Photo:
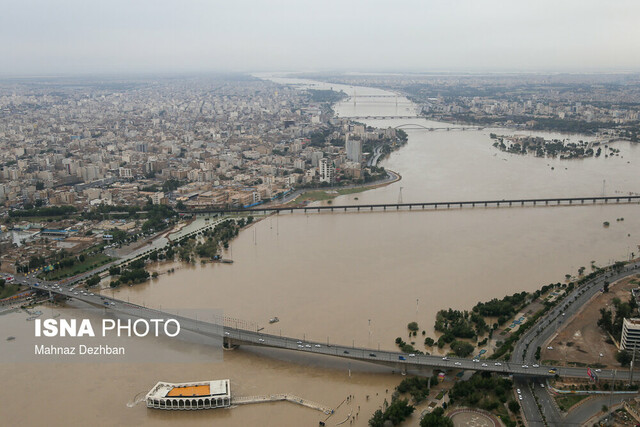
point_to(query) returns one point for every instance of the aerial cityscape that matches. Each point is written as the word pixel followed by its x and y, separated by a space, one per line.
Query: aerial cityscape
pixel 270 214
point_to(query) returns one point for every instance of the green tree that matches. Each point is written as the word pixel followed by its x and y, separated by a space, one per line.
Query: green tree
pixel 413 326
pixel 462 348
pixel 377 419
pixel 436 419
pixel 624 358
pixel 514 406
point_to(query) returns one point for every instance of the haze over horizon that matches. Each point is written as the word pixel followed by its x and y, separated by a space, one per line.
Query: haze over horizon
pixel 76 37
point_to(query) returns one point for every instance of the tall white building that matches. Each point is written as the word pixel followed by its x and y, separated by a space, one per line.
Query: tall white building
pixel 630 334
pixel 326 170
pixel 354 149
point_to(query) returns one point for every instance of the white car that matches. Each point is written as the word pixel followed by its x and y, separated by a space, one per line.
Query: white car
pixel 518 390
pixel 300 346
pixel 535 365
pixel 299 342
pixel 520 396
pixel 525 366
pixel 498 364
pixel 260 339
pixel 412 355
pixel 308 345
pixel 445 358
pixel 317 346
pixel 484 365
pixel 226 333
pixel 457 363
pixel 549 348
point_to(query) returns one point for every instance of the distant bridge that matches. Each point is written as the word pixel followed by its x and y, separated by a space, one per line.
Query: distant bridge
pixel 379 117
pixel 556 201
pixel 448 128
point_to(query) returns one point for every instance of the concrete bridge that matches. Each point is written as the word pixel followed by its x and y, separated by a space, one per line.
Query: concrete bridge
pixel 554 201
pixel 232 337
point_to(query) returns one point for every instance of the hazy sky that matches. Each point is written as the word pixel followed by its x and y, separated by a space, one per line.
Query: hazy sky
pixel 80 36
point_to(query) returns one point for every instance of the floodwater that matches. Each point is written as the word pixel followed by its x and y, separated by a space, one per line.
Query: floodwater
pixel 359 278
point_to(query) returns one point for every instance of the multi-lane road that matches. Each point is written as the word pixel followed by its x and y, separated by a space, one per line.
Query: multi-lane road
pixel 541 333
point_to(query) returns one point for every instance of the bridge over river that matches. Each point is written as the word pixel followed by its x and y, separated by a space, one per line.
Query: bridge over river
pixel 557 201
pixel 232 337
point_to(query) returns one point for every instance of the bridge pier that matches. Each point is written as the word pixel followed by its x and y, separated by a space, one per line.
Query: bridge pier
pixel 485 204
pixel 582 201
pixel 509 203
pixel 473 205
pixel 522 203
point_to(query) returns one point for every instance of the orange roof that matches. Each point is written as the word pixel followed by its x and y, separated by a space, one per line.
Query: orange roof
pixel 196 390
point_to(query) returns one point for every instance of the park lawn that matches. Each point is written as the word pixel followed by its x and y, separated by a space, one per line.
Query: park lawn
pixel 319 195
pixel 78 268
pixel 566 401
pixel 9 289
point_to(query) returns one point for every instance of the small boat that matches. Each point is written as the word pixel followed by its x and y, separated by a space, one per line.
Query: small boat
pixel 227 261
pixel 274 320
pixel 11 338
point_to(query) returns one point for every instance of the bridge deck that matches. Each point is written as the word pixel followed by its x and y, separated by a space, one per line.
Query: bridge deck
pixel 557 201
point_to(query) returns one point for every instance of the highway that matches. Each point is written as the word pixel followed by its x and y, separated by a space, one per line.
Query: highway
pixel 237 336
pixel 541 333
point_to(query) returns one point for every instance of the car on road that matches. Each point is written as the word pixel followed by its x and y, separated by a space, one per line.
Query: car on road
pixel 484 365
pixel 520 396
pixel 308 345
pixel 75 293
pixel 372 354
pixel 402 358
pixel 525 366
pixel 549 348
pixel 535 365
pixel 498 364
pixel 346 352
pixel 553 370
pixel 475 360
pixel 457 363
pixel 226 333
pixel 317 346
pixel 260 339
pixel 541 385
pixel 299 342
pixel 598 370
pixel 518 390
pixel 445 358
pixel 300 346
pixel 412 355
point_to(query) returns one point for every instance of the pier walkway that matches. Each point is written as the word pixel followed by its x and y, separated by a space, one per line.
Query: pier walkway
pixel 279 398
